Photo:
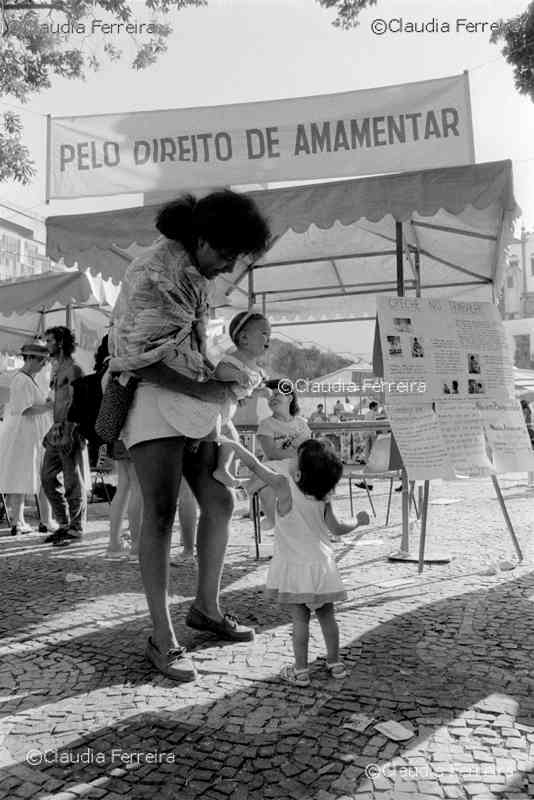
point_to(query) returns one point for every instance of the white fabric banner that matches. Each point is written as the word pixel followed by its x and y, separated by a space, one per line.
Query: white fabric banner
pixel 372 131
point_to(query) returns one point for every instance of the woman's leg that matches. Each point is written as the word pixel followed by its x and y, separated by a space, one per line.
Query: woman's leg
pixel 118 506
pixel 330 629
pixel 216 506
pixel 187 515
pixel 300 614
pixel 135 508
pixel 16 505
pixel 158 465
pixel 45 511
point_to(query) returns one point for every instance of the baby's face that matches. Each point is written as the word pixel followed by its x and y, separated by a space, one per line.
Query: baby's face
pixel 256 337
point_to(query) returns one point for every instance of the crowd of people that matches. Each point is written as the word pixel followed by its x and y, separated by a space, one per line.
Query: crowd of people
pixel 177 447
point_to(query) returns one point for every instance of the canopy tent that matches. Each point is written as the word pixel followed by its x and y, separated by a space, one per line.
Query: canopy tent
pixel 29 305
pixel 337 244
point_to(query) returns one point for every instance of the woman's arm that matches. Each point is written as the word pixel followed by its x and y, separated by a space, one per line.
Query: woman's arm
pixel 209 391
pixel 338 528
pixel 228 373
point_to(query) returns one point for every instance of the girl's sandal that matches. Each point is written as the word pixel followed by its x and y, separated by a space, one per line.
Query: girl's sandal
pixel 337 670
pixel 298 677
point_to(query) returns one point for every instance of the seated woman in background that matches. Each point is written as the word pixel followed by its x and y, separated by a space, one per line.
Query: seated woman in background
pixel 280 435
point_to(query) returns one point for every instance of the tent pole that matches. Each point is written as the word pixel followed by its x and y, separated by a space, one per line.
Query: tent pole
pixel 417 267
pixel 68 315
pixel 405 540
pixel 399 256
pixel 250 287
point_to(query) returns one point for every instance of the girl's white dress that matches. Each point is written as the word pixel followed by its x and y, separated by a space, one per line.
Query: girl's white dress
pixel 303 568
pixel 21 438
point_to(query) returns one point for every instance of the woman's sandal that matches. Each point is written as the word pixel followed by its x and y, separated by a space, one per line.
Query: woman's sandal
pixel 337 670
pixel 298 677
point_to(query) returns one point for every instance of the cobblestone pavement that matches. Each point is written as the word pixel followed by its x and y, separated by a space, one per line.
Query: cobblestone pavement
pixel 448 653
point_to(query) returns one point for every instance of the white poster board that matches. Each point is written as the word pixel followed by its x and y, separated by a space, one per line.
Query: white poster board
pixel 449 388
pixel 440 349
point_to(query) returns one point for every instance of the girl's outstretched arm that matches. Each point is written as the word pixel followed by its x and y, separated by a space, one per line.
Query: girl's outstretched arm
pixel 278 483
pixel 338 528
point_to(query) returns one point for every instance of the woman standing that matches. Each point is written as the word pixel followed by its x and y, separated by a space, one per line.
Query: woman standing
pixel 28 417
pixel 159 332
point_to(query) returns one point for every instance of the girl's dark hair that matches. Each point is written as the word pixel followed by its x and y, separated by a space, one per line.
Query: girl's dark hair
pixel 101 355
pixel 320 468
pixel 64 339
pixel 227 221
pixel 237 322
pixel 275 385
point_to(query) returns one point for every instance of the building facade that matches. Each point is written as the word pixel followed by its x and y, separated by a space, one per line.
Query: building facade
pixel 518 292
pixel 22 244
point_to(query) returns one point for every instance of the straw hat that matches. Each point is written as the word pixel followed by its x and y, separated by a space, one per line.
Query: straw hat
pixel 34 349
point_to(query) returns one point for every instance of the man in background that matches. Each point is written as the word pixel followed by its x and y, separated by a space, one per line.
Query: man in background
pixel 318 415
pixel 64 446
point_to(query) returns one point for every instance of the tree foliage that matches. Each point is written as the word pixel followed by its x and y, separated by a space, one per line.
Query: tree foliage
pixel 347 11
pixel 516 32
pixel 518 50
pixel 286 360
pixel 32 52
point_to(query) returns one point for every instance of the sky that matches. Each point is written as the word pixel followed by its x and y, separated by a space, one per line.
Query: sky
pixel 249 50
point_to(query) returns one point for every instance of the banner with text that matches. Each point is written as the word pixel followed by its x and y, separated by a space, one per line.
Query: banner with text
pixel 390 129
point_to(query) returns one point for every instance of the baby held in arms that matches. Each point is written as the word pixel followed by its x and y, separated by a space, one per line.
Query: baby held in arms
pixel 250 332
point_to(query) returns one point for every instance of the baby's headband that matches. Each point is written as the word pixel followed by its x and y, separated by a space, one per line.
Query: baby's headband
pixel 242 322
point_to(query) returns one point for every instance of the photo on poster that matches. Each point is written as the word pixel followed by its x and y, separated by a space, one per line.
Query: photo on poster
pixel 473 363
pixel 417 349
pixel 475 387
pixel 403 324
pixel 451 386
pixel 394 345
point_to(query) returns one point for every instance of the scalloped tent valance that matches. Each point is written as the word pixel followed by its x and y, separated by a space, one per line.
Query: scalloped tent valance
pixel 334 244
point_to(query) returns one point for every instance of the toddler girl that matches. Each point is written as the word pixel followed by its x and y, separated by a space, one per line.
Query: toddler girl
pixel 250 332
pixel 303 572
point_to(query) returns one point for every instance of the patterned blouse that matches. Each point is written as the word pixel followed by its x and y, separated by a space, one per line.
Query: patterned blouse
pixel 160 312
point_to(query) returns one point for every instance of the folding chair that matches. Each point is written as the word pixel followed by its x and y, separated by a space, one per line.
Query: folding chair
pixel 103 467
pixel 377 468
pixel 256 518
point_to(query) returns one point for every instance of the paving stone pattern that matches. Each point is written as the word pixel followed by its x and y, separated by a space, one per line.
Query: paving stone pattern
pixel 448 653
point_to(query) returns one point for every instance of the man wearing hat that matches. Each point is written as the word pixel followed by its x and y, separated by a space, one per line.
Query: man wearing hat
pixel 27 418
pixel 64 447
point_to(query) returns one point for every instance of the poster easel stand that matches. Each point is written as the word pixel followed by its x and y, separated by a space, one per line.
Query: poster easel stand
pixel 506 516
pixel 408 486
pixel 404 554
